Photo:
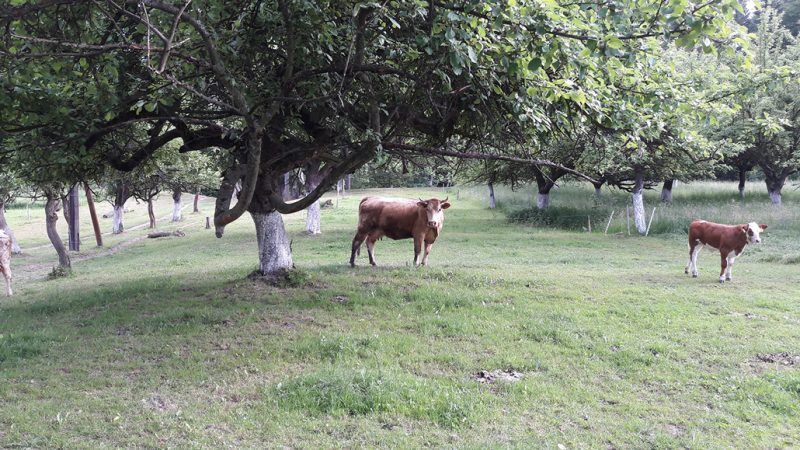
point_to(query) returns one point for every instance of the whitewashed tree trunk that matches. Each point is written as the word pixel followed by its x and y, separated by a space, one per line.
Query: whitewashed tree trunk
pixel 117 226
pixel 314 219
pixel 542 200
pixel 7 229
pixel 775 197
pixel 176 206
pixel 666 191
pixel 638 205
pixel 492 203
pixel 274 250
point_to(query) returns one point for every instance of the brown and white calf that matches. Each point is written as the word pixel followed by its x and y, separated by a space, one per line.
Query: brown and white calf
pixel 5 260
pixel 730 240
pixel 398 219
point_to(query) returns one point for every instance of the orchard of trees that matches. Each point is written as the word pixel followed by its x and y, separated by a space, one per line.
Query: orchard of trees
pixel 250 98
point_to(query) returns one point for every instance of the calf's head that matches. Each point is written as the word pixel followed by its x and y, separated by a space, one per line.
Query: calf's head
pixel 434 209
pixel 753 232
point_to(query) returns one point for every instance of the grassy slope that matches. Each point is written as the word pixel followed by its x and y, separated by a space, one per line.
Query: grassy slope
pixel 166 343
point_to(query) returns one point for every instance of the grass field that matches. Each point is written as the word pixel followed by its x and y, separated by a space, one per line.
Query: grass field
pixel 607 344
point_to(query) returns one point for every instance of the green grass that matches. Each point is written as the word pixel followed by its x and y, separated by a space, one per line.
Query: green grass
pixel 167 343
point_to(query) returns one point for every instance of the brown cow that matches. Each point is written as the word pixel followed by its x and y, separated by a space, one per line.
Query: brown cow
pixel 398 219
pixel 5 260
pixel 729 239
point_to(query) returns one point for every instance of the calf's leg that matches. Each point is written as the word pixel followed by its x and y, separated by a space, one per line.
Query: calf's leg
pixel 693 253
pixel 7 276
pixel 730 260
pixel 724 268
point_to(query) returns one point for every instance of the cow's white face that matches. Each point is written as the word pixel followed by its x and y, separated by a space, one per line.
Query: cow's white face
pixel 753 231
pixel 434 209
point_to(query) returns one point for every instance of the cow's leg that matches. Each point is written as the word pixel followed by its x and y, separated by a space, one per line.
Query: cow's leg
pixel 371 240
pixel 427 252
pixel 357 241
pixel 695 251
pixel 730 260
pixel 417 248
pixel 689 262
pixel 724 268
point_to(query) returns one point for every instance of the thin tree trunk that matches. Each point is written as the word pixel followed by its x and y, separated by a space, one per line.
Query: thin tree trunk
pixel 638 203
pixel 176 205
pixel 314 211
pixel 666 191
pixel 74 220
pixel 492 203
pixel 287 188
pixel 274 249
pixel 196 202
pixel 742 181
pixel 95 223
pixel 151 213
pixel 51 217
pixel 348 180
pixel 7 229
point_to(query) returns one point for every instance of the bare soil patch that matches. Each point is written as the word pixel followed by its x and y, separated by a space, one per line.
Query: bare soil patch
pixel 493 376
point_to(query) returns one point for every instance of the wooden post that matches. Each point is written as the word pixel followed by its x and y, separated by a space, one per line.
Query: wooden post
pixel 208 222
pixel 74 224
pixel 95 224
pixel 609 222
pixel 650 223
pixel 628 219
pixel 590 223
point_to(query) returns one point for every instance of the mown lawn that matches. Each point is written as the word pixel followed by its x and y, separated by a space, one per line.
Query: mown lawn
pixel 167 344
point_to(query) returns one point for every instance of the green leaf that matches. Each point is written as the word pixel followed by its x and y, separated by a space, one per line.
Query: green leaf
pixel 534 64
pixel 614 43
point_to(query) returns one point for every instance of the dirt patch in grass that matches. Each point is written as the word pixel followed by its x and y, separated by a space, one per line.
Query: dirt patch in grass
pixel 493 376
pixel 782 358
pixel 340 299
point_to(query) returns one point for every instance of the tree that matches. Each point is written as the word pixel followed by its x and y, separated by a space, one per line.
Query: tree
pixel 335 84
pixel 765 130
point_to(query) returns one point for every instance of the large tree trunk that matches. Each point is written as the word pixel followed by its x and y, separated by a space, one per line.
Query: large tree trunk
pixel 51 217
pixel 666 191
pixel 151 213
pixel 7 229
pixel 95 223
pixel 774 187
pixel 492 203
pixel 543 200
pixel 176 205
pixel 274 249
pixel 742 180
pixel 638 203
pixel 117 226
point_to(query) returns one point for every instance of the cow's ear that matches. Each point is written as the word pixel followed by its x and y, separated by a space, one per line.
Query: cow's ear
pixel 445 205
pixel 745 228
pixel 763 226
pixel 423 204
